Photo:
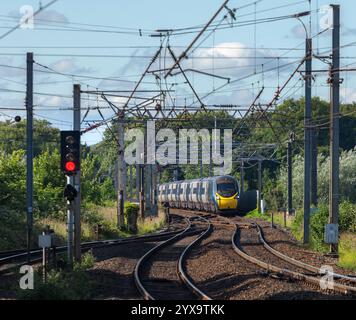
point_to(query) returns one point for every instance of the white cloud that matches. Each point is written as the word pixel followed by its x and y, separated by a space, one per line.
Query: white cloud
pixel 69 65
pixel 48 16
pixel 232 59
pixel 53 101
pixel 241 97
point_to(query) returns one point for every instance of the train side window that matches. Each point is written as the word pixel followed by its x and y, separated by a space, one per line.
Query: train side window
pixel 202 189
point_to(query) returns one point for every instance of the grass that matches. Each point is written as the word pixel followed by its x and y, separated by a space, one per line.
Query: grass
pixel 62 284
pixel 109 214
pixel 151 224
pixel 278 217
pixel 347 251
pixel 60 229
pixel 13 226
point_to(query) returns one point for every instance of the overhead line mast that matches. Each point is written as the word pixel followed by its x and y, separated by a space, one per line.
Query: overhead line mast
pixel 185 52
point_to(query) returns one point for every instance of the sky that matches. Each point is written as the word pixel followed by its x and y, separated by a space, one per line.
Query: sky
pixel 87 42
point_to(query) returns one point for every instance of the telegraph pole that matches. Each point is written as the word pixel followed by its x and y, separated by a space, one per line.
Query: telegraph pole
pixel 142 191
pixel 242 177
pixel 334 126
pixel 130 183
pixel 70 222
pixel 147 170
pixel 314 167
pixel 121 174
pixel 200 166
pixel 290 174
pixel 137 169
pixel 29 151
pixel 259 185
pixel 307 136
pixel 77 200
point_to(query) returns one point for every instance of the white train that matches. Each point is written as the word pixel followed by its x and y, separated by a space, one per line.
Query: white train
pixel 213 194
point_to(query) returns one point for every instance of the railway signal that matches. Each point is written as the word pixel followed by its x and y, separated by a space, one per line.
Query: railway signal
pixel 70 151
pixel 70 192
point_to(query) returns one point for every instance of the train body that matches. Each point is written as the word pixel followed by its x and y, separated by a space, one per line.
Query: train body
pixel 218 194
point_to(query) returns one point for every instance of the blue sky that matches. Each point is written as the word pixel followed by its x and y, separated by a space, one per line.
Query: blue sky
pixel 233 50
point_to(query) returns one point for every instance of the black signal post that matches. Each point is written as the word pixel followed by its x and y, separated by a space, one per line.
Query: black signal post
pixel 70 165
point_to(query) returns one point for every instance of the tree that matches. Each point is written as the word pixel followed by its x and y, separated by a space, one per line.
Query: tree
pixel 13 136
pixel 49 183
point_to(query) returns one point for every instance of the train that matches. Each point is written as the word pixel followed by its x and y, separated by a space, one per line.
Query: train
pixel 219 194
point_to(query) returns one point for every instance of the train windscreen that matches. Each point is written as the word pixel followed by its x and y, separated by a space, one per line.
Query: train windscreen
pixel 226 187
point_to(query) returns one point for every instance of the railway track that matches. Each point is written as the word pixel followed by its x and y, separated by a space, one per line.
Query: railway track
pixel 283 266
pixel 13 258
pixel 161 274
pixel 276 263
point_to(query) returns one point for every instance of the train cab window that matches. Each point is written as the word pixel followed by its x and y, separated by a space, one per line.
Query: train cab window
pixel 226 189
pixel 226 186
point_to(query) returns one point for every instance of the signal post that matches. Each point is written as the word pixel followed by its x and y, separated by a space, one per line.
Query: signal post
pixel 70 165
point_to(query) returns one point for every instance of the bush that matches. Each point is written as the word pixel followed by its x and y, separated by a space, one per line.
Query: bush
pixel 347 223
pixel 130 209
pixel 317 228
pixel 63 285
pixel 347 181
pixel 347 219
pixel 131 213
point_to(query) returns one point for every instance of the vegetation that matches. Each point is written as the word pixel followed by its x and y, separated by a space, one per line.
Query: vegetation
pixel 151 224
pixel 62 284
pixel 98 171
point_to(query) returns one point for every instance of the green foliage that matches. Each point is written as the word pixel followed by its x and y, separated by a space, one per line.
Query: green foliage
pixel 48 185
pixel 151 224
pixel 255 214
pixel 347 216
pixel 12 180
pixel 88 261
pixel 12 226
pixel 97 186
pixel 347 251
pixel 130 209
pixel 275 190
pixel 12 136
pixel 98 166
pixel 317 227
pixel 297 225
pixel 63 285
pixel 130 216
pixel 91 214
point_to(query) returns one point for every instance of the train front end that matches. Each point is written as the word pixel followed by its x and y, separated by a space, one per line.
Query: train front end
pixel 226 194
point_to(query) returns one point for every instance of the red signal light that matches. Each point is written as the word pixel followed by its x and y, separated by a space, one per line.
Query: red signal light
pixel 70 166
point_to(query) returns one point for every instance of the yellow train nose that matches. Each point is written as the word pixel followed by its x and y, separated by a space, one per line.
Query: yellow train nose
pixel 226 203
